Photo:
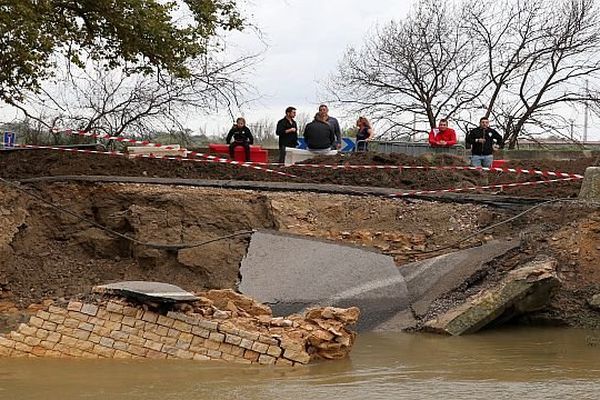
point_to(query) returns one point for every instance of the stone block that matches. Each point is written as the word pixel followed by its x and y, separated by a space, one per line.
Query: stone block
pixel 165 321
pixel 8 343
pixel 128 321
pixel 16 336
pixel 214 354
pixel 246 344
pixel 54 337
pixel 216 337
pixel 115 317
pixel 122 355
pixel 156 346
pixel 184 345
pixel 184 354
pixel 113 307
pixel 25 348
pixel 113 326
pixel 198 349
pixel 94 338
pixel 47 345
pixel 137 350
pixel 39 351
pixel 101 331
pixel 284 362
pixel 182 326
pixel 107 342
pixel 27 330
pixel 161 330
pixel 84 345
pixel 79 316
pixel 130 312
pixel 174 333
pixel 45 315
pixel 260 347
pixel 268 340
pixel 103 351
pixel 266 360
pixel 201 357
pixel 251 355
pixel 209 325
pixel 74 306
pixel 590 187
pixel 156 355
pixel 212 345
pixel 36 322
pixel 301 357
pixel 71 323
pixel 57 310
pixel 68 340
pixel 150 316
pixel 198 331
pixel 232 339
pixel 81 334
pixel 274 351
pixel 249 335
pixel 120 346
pixel 86 326
pixel 32 341
pixel 41 334
pixel 237 351
pixel 171 341
pixel 90 309
pixel 225 348
pixel 151 336
pixel 57 318
pixel 118 335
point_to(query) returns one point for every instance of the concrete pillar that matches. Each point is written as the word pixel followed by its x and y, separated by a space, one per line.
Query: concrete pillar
pixel 590 188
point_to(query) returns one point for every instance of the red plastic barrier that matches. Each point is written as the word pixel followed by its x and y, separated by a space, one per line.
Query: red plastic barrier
pixel 257 153
pixel 498 163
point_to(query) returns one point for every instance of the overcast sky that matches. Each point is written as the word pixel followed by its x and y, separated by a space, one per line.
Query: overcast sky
pixel 305 40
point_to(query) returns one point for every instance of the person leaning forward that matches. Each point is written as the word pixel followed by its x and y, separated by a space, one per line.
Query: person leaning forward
pixel 319 134
pixel 287 131
pixel 241 137
pixel 483 141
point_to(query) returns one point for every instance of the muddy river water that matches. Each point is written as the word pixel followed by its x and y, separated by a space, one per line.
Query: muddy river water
pixel 514 363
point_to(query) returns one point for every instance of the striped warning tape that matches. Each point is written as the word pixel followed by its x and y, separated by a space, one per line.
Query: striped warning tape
pixel 400 194
pixel 472 188
pixel 189 154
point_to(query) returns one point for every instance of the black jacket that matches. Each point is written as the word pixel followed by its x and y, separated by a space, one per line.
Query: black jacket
pixel 240 135
pixel 287 139
pixel 483 149
pixel 319 135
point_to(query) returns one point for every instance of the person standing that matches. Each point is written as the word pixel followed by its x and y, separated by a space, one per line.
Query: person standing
pixel 241 137
pixel 442 136
pixel 483 141
pixel 287 130
pixel 319 134
pixel 365 132
pixel 335 125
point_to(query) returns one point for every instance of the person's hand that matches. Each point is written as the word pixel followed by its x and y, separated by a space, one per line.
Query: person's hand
pixel 495 147
pixel 291 130
pixel 442 142
pixel 481 140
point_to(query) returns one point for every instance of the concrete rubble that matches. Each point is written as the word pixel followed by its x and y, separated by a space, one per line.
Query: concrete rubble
pixel 523 290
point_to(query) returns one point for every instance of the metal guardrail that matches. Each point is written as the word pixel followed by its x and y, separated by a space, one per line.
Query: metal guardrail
pixel 414 149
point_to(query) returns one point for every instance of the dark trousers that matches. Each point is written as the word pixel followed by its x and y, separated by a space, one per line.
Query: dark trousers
pixel 281 154
pixel 246 147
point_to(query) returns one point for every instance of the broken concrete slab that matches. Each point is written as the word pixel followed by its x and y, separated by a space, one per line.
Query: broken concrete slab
pixel 291 273
pixel 429 279
pixel 157 292
pixel 590 188
pixel 523 290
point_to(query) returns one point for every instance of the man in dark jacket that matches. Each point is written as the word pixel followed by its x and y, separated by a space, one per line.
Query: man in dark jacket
pixel 241 137
pixel 335 125
pixel 319 134
pixel 287 130
pixel 483 141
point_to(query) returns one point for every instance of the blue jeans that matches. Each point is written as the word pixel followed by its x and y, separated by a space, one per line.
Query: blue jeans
pixel 482 161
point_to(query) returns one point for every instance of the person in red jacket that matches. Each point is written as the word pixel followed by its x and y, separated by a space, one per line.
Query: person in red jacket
pixel 442 136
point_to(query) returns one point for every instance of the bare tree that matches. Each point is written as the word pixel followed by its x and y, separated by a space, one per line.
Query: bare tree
pixel 539 56
pixel 422 67
pixel 95 99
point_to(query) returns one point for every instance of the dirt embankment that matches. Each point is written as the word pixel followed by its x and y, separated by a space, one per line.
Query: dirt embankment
pixel 28 164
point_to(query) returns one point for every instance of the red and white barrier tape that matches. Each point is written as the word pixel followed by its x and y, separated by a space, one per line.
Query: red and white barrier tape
pixel 189 154
pixel 472 188
pixel 447 168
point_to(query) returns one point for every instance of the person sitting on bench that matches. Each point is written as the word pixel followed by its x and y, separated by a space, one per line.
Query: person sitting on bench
pixel 241 137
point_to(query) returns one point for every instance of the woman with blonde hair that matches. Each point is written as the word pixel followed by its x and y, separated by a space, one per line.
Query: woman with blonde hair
pixel 365 133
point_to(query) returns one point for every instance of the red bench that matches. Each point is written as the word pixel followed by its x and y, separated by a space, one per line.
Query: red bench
pixel 257 153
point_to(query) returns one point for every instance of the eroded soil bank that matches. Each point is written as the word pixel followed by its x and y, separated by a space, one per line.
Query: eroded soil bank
pixel 47 256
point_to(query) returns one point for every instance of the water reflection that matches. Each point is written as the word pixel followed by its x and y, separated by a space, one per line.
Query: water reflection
pixel 515 363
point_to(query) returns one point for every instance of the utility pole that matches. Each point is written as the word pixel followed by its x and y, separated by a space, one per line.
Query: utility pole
pixel 587 110
pixel 571 131
pixel 414 129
